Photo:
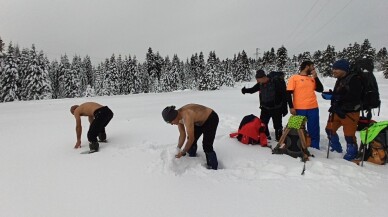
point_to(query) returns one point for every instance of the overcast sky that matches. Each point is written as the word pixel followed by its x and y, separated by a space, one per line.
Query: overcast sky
pixel 99 28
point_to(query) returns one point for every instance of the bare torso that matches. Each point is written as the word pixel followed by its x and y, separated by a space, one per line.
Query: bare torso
pixel 87 109
pixel 190 115
pixel 197 114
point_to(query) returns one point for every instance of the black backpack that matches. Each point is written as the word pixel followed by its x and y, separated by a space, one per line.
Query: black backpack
pixel 370 96
pixel 268 91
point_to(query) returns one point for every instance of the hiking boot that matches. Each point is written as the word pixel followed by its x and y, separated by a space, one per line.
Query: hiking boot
pixel 335 144
pixel 351 152
pixel 211 160
pixel 94 146
pixel 278 134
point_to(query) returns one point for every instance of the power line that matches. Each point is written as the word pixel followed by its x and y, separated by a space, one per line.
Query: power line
pixel 315 17
pixel 324 25
pixel 301 21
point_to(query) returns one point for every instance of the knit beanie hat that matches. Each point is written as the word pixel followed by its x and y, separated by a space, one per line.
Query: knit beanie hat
pixel 260 73
pixel 169 114
pixel 342 64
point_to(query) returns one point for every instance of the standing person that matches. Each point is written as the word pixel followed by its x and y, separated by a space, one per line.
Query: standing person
pixel 302 98
pixel 99 116
pixel 194 120
pixel 345 109
pixel 273 100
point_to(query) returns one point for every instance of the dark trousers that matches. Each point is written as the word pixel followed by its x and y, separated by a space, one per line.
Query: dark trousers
pixel 102 116
pixel 276 115
pixel 208 129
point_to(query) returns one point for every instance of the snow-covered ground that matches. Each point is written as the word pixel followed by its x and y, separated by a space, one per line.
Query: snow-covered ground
pixel 136 174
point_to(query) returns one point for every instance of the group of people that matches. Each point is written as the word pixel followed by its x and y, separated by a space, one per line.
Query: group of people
pixel 194 120
pixel 299 94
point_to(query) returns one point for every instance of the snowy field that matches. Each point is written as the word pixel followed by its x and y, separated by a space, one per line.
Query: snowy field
pixel 136 174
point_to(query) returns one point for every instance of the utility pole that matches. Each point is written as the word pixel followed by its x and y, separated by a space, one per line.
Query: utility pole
pixel 257 53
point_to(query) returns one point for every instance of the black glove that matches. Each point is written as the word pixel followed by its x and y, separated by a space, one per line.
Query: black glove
pixel 243 90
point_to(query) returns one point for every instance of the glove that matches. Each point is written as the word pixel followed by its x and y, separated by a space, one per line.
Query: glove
pixel 243 90
pixel 327 95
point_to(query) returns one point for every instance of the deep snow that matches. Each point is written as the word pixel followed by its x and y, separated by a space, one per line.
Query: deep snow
pixel 136 174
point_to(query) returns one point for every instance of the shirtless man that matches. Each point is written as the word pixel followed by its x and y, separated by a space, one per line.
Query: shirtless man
pixel 99 116
pixel 194 120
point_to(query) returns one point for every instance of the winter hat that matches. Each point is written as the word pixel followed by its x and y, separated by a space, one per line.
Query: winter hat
pixel 341 64
pixel 169 114
pixel 260 73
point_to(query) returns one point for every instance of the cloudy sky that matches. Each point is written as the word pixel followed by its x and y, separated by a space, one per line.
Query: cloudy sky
pixel 99 28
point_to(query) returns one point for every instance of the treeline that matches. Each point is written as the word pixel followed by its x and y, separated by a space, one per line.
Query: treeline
pixel 28 74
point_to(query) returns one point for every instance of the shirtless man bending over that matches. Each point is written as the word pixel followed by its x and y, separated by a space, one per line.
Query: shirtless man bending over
pixel 99 116
pixel 194 120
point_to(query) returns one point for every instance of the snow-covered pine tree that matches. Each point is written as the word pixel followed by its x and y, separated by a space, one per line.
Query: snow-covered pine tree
pixel 120 65
pixel 72 79
pixel 154 66
pixel 317 59
pixel 111 80
pixel 384 67
pixel 77 66
pixel 194 62
pixel 242 72
pixel 54 78
pixel 64 70
pixel 381 57
pixel 142 78
pixel 99 80
pixel 177 73
pixel 226 73
pixel 133 71
pixel 211 78
pixel 367 51
pixel 200 69
pixel 354 52
pixel 328 58
pixel 188 82
pixel 9 77
pixel 167 80
pixel 89 92
pixel 88 69
pixel 281 58
pixel 38 81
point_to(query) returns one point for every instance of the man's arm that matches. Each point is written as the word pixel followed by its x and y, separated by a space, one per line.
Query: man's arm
pixel 189 126
pixel 251 90
pixel 78 130
pixel 318 84
pixel 182 135
pixel 290 103
pixel 91 119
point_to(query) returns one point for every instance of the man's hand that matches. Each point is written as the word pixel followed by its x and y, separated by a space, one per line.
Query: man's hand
pixel 78 144
pixel 180 154
pixel 292 111
pixel 314 74
pixel 243 90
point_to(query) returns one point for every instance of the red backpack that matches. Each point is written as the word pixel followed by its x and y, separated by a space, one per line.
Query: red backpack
pixel 251 131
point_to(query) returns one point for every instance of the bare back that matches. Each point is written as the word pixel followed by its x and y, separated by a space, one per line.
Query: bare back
pixel 87 109
pixel 197 114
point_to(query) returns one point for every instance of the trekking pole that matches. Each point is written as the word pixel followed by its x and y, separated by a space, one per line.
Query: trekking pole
pixel 363 145
pixel 304 168
pixel 331 118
